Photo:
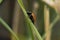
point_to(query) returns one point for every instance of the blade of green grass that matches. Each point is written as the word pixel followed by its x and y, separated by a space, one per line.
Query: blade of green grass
pixel 51 26
pixel 29 21
pixel 1 1
pixel 8 28
pixel 53 23
pixel 30 32
pixel 24 11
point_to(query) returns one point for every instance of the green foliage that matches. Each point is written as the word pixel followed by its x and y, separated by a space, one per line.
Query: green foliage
pixel 8 28
pixel 40 20
pixel 33 28
pixel 1 1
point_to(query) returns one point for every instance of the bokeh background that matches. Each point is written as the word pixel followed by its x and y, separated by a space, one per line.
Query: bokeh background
pixel 11 12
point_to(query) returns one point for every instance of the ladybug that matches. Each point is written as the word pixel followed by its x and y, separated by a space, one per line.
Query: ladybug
pixel 32 16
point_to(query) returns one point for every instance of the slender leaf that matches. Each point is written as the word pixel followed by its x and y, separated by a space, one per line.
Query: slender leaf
pixel 1 1
pixel 29 21
pixel 8 28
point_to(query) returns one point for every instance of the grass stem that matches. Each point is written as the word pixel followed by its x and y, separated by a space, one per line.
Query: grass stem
pixel 28 20
pixel 8 28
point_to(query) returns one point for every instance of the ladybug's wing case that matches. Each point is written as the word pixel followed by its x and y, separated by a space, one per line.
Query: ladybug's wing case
pixel 32 16
pixel 32 19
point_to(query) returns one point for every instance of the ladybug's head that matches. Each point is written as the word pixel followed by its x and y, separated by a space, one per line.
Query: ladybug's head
pixel 29 13
pixel 30 16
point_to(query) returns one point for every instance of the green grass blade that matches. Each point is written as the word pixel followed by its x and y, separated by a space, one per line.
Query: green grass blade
pixel 1 1
pixel 29 21
pixel 8 28
pixel 51 26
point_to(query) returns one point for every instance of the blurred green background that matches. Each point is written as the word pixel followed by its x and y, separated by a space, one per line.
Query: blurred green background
pixel 11 12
